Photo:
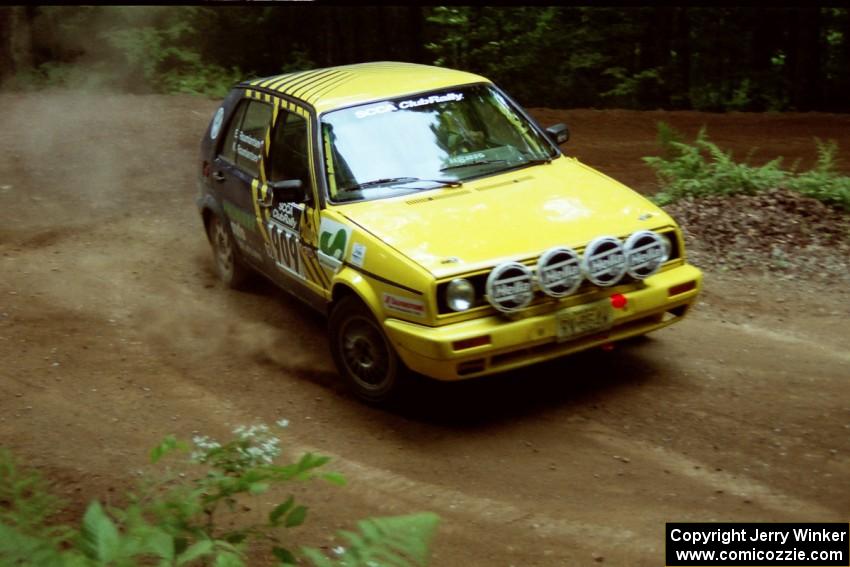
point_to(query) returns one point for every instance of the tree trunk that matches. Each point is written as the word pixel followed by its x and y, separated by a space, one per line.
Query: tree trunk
pixel 681 72
pixel 806 84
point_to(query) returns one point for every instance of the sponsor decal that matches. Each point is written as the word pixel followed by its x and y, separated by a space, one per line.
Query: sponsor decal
pixel 333 242
pixel 249 140
pixel 509 287
pixel 405 305
pixel 604 262
pixel 237 231
pixel 246 140
pixel 433 99
pixel 288 215
pixel 244 246
pixel 375 109
pixel 466 158
pixel 358 254
pixel 646 251
pixel 244 218
pixel 559 272
pixel 284 249
pixel 216 124
pixel 511 290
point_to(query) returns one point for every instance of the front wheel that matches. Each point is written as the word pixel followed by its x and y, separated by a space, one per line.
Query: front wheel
pixel 363 353
pixel 227 265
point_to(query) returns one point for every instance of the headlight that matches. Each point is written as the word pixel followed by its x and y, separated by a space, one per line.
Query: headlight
pixel 460 294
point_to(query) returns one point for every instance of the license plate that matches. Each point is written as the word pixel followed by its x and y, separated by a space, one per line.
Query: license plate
pixel 583 319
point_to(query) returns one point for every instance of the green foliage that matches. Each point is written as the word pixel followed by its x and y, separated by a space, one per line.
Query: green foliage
pixel 153 49
pixel 822 181
pixel 164 54
pixel 178 519
pixel 702 168
pixel 700 57
pixel 502 43
pixel 628 85
pixel 400 541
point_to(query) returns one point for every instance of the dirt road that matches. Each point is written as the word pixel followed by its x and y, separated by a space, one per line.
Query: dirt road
pixel 114 333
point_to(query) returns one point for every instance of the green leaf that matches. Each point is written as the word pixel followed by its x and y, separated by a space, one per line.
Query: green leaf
pixel 284 555
pixel 334 478
pixel 167 445
pixel 236 537
pixel 279 510
pixel 199 549
pixel 151 540
pixel 316 557
pixel 258 487
pixel 296 517
pixel 228 560
pixel 100 539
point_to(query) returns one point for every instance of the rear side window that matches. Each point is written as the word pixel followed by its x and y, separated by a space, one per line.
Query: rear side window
pixel 289 154
pixel 246 135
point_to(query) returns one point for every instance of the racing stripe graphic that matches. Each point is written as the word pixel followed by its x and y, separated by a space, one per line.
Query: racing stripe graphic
pixel 315 82
pixel 321 279
pixel 281 79
pixel 300 80
pixel 292 79
pixel 309 268
pixel 328 88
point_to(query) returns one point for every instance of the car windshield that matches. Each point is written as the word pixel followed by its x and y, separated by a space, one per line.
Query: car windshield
pixel 426 141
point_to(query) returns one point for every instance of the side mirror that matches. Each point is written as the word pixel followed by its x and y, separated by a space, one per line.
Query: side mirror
pixel 558 133
pixel 286 191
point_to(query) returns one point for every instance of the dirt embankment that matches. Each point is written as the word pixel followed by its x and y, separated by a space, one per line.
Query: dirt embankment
pixel 114 333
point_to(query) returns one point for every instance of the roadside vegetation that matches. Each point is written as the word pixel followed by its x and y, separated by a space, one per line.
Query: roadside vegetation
pixel 740 216
pixel 702 169
pixel 196 513
pixel 674 57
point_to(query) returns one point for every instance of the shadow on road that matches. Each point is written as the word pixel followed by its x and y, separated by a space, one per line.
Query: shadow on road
pixel 578 380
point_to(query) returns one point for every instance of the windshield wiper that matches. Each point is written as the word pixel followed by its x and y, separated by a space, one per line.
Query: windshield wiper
pixel 537 161
pixel 476 162
pixel 400 180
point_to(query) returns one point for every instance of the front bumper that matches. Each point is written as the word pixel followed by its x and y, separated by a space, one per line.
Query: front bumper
pixel 528 340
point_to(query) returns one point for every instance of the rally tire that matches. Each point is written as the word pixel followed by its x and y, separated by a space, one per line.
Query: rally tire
pixel 363 354
pixel 228 266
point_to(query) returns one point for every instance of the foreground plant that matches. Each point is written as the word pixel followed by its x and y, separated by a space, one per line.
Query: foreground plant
pixel 178 519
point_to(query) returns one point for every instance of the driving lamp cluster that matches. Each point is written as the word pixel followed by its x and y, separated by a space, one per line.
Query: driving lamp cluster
pixel 560 271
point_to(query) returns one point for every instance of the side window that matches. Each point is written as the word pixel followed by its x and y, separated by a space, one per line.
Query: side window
pixel 243 144
pixel 289 154
pixel 228 146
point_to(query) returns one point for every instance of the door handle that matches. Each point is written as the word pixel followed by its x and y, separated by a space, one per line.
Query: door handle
pixel 218 176
pixel 266 202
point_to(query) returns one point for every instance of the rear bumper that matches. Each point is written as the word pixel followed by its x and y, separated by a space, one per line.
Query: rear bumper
pixel 520 342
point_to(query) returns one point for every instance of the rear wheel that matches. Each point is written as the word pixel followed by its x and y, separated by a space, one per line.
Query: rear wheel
pixel 363 353
pixel 225 257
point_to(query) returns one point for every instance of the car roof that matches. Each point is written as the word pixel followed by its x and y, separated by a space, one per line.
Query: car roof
pixel 337 87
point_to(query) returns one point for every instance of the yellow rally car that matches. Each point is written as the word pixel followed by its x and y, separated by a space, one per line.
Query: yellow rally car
pixel 438 226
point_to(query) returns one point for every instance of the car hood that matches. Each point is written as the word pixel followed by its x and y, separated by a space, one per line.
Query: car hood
pixel 515 215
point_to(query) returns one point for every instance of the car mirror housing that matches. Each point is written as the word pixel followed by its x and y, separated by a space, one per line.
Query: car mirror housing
pixel 287 191
pixel 558 133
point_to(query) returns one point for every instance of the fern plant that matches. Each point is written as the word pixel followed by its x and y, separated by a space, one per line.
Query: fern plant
pixel 703 168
